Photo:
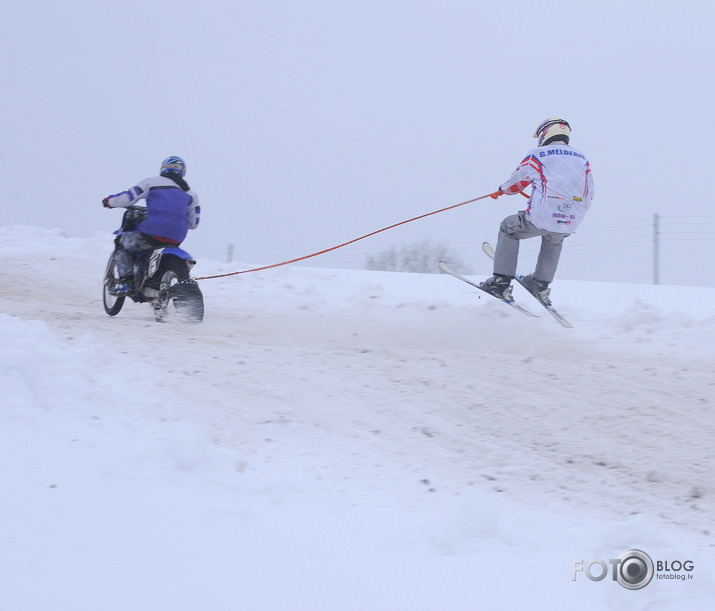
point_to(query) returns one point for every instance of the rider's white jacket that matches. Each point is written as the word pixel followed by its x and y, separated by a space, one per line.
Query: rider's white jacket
pixel 562 186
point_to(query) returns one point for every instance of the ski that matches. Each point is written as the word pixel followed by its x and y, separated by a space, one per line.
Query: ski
pixel 489 251
pixel 510 302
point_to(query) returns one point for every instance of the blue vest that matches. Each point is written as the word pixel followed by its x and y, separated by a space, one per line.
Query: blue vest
pixel 167 209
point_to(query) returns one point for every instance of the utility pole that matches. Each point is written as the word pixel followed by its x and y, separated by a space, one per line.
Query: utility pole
pixel 229 253
pixel 656 248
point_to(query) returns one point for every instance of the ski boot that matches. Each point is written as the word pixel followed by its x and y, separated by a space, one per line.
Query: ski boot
pixel 499 286
pixel 538 288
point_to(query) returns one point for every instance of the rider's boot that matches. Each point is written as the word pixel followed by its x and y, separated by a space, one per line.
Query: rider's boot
pixel 123 286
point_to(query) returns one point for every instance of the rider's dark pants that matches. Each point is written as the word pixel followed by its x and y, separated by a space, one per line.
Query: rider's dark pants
pixel 131 244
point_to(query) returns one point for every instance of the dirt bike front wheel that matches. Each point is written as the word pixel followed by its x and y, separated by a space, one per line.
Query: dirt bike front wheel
pixel 112 303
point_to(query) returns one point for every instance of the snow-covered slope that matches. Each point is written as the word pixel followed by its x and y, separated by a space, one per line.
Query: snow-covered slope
pixel 346 440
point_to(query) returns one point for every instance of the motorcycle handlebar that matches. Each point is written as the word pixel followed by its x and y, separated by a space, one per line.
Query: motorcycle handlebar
pixel 133 215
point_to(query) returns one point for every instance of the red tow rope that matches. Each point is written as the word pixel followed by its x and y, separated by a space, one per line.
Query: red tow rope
pixel 322 252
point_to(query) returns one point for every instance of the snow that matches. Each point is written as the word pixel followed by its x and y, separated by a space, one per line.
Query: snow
pixel 341 439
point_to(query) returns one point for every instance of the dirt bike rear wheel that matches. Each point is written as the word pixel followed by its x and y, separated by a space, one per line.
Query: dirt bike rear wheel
pixel 179 297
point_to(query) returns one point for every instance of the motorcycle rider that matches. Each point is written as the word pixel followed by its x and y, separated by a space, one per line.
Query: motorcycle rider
pixel 172 209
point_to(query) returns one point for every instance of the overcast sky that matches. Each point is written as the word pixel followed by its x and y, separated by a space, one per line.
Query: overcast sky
pixel 305 124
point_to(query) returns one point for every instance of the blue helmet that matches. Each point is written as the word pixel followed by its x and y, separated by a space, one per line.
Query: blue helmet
pixel 173 165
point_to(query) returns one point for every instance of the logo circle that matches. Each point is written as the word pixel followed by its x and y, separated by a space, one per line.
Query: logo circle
pixel 635 570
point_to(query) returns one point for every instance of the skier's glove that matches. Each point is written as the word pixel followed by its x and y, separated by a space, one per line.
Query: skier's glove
pixel 496 193
pixel 105 202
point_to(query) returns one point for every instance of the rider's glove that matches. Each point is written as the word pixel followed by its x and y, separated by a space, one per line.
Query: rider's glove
pixel 496 193
pixel 105 202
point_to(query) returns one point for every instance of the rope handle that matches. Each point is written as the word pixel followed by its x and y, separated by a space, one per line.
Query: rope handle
pixel 326 250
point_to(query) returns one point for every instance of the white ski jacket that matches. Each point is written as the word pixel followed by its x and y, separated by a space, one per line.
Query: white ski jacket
pixel 562 186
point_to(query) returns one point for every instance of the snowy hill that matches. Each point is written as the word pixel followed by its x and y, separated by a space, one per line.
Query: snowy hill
pixel 347 440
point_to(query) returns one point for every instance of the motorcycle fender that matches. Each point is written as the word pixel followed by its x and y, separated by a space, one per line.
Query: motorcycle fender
pixel 181 254
pixel 155 258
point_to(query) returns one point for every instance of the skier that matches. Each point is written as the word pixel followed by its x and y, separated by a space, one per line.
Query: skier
pixel 172 209
pixel 562 189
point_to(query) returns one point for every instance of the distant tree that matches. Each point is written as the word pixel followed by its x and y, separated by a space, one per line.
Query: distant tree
pixel 420 257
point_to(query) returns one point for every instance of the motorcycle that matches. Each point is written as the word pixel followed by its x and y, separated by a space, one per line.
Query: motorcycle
pixel 161 278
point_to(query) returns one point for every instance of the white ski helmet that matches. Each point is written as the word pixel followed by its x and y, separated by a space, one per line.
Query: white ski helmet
pixel 553 127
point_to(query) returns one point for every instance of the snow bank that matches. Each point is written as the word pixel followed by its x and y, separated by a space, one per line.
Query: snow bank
pixel 348 440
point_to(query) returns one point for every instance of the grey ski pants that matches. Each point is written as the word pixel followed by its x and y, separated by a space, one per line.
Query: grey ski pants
pixel 517 227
